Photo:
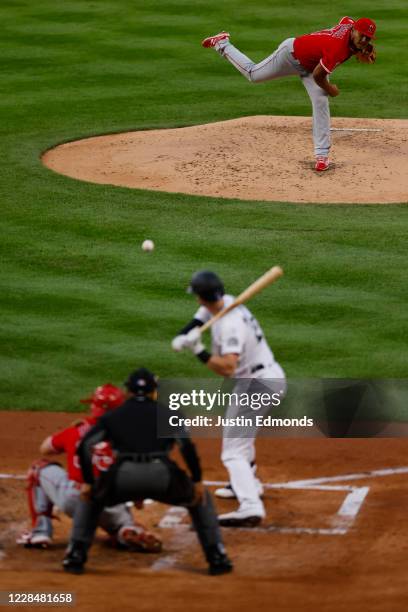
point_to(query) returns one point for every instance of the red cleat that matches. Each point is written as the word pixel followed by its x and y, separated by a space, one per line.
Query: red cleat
pixel 211 41
pixel 137 539
pixel 322 163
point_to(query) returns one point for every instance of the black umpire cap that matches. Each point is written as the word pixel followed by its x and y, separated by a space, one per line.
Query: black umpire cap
pixel 207 285
pixel 141 381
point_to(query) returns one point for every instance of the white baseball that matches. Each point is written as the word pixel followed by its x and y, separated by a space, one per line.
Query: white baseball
pixel 148 245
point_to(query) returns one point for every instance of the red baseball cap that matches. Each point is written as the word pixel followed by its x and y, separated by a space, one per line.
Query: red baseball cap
pixel 366 26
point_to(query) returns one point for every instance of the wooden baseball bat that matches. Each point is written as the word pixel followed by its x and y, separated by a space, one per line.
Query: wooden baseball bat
pixel 263 281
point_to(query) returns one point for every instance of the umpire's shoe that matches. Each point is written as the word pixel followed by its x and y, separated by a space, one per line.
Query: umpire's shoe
pixel 218 561
pixel 75 558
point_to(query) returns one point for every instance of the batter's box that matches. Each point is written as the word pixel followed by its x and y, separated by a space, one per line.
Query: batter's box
pixel 345 504
pixel 352 499
pixel 294 507
pixel 337 523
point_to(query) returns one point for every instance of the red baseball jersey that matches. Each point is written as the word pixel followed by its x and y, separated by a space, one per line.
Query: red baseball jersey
pixel 67 441
pixel 327 47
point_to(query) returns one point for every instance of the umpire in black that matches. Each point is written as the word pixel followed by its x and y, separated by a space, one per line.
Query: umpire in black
pixel 143 469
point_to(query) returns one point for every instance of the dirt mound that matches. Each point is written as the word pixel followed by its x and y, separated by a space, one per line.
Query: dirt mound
pixel 253 158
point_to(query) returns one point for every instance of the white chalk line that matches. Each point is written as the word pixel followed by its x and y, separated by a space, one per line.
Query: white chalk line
pixel 356 130
pixel 290 484
pixel 294 484
pixel 349 509
pixel 296 530
pixel 353 502
pixel 174 516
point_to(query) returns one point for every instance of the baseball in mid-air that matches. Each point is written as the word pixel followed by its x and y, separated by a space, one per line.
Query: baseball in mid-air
pixel 148 245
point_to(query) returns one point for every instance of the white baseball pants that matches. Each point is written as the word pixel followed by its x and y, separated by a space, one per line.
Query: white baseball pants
pixel 239 452
pixel 281 64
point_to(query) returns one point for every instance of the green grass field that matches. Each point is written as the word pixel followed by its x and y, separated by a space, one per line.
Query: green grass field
pixel 80 303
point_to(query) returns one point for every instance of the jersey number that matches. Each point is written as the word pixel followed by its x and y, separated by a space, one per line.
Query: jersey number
pixel 254 325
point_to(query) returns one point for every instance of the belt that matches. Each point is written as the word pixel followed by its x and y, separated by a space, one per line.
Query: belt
pixel 141 457
pixel 256 368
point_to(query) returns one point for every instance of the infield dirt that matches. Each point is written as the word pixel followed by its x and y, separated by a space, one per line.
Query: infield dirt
pixel 254 158
pixel 363 569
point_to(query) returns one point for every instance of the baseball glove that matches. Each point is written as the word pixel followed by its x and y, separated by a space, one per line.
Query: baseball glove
pixel 368 56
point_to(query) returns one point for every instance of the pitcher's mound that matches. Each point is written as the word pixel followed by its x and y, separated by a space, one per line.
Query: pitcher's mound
pixel 253 158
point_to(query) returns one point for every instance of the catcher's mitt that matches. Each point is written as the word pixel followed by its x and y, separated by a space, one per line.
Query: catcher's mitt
pixel 368 56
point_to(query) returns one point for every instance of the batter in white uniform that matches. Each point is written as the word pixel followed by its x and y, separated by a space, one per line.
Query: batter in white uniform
pixel 239 351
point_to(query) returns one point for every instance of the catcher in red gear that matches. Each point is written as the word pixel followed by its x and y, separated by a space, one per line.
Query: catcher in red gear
pixel 49 484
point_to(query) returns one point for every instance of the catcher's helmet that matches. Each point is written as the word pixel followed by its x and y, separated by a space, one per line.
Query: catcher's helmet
pixel 207 285
pixel 106 397
pixel 141 381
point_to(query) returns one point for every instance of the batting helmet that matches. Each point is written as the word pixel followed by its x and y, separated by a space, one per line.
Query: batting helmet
pixel 106 397
pixel 141 381
pixel 207 285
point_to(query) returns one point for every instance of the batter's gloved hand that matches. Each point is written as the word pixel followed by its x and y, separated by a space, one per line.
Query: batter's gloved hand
pixel 368 55
pixel 177 344
pixel 193 341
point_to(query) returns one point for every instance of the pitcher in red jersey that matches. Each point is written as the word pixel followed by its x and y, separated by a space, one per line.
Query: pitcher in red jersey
pixel 312 57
